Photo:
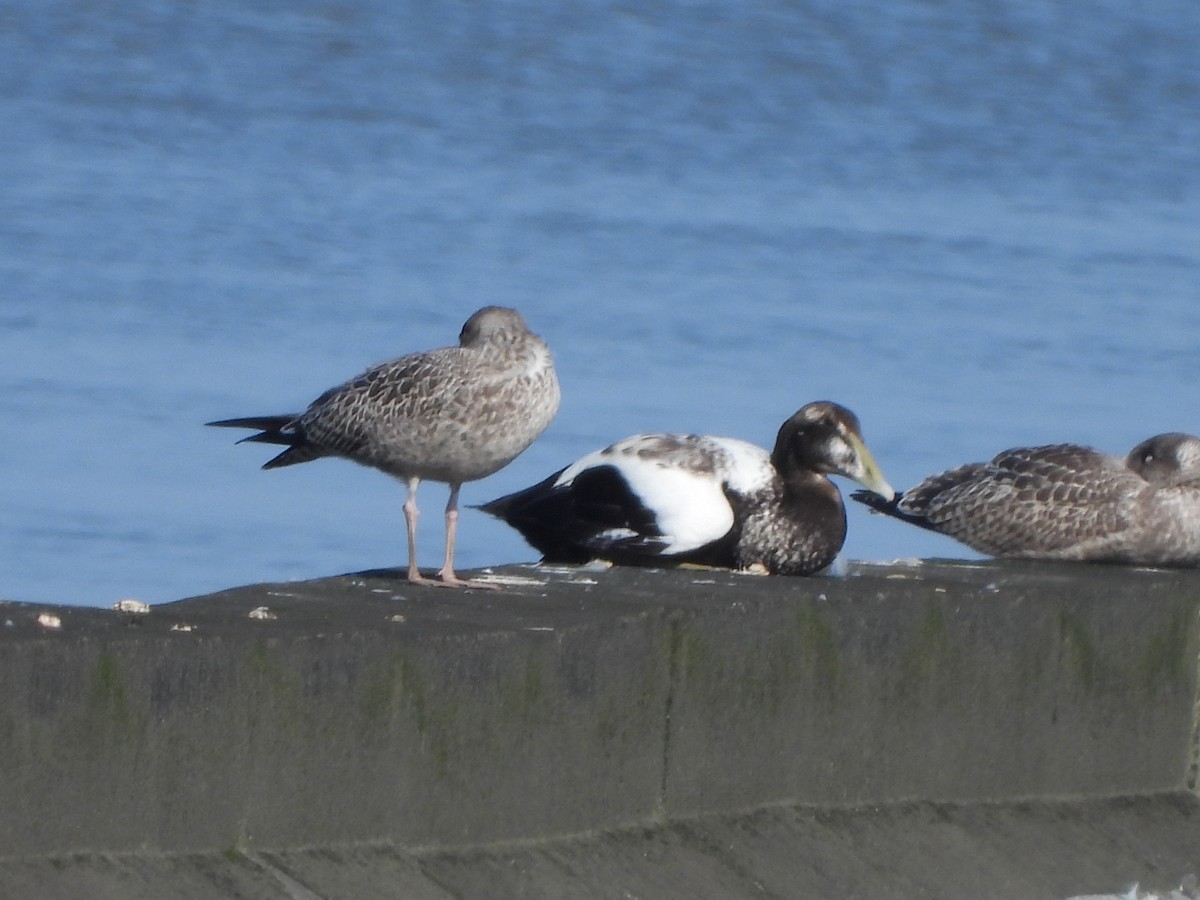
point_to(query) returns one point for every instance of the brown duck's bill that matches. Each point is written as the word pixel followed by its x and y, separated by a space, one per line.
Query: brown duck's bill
pixel 869 474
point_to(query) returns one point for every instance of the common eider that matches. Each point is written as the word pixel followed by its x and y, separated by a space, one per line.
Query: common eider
pixel 453 415
pixel 1069 502
pixel 653 499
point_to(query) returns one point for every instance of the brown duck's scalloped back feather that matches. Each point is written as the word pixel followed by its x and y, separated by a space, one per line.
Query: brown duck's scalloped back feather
pixel 1066 501
pixel 1035 500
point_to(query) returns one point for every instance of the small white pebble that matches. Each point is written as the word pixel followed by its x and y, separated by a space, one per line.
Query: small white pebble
pixel 398 617
pixel 262 612
pixel 132 606
pixel 180 626
pixel 46 620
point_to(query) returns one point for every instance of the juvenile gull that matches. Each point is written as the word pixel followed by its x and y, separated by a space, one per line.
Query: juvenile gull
pixel 1065 501
pixel 455 414
pixel 668 498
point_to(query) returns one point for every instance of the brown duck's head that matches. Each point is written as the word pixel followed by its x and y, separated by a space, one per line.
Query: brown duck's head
pixel 1167 459
pixel 826 437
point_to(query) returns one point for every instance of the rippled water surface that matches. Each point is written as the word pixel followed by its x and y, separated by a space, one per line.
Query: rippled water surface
pixel 974 224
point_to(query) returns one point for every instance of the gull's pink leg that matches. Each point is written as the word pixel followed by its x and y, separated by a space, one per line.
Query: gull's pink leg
pixel 447 572
pixel 411 514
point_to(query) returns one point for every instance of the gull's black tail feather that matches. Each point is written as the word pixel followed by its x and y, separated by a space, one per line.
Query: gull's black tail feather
pixel 271 431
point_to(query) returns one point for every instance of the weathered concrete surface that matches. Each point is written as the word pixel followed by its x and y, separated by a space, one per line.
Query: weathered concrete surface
pixel 636 733
pixel 1037 850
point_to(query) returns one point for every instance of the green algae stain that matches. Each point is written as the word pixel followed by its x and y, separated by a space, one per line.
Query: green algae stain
pixel 8 735
pixel 819 651
pixel 691 662
pixel 235 856
pixel 801 655
pixel 617 717
pixel 108 697
pixel 523 696
pixel 414 694
pixel 608 723
pixel 1165 661
pixel 378 696
pixel 931 656
pixel 767 678
pixel 694 658
pixel 263 664
pixel 398 684
pixel 1079 651
pixel 398 692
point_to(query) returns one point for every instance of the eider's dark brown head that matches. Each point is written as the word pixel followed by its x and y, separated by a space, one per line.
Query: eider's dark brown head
pixel 825 437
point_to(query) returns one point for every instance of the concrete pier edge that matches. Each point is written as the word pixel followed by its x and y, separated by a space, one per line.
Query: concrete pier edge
pixel 758 736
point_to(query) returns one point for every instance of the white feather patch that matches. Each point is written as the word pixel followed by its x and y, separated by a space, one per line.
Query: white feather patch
pixel 684 488
pixel 690 508
pixel 749 466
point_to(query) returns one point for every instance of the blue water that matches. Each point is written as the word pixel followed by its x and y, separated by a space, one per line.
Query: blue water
pixel 974 223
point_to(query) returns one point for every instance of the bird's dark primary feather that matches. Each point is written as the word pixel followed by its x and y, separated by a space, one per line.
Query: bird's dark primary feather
pixel 298 450
pixel 262 423
pixel 536 512
pixel 891 508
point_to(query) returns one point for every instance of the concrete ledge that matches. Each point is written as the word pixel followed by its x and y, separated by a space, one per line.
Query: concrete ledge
pixel 424 725
pixel 935 851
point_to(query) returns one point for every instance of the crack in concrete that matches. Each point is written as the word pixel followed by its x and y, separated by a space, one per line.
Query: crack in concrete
pixel 673 654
